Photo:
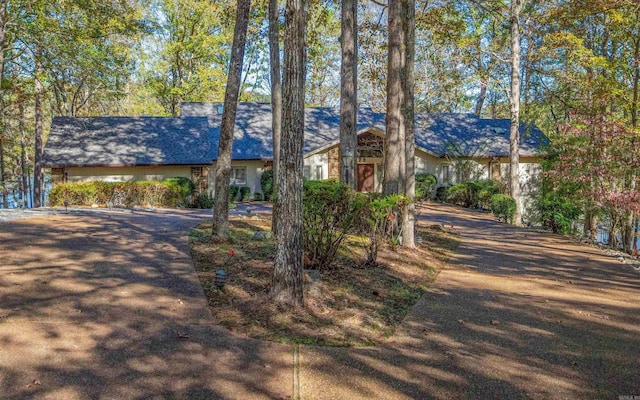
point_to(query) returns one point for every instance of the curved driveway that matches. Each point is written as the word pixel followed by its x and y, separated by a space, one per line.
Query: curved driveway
pixel 107 305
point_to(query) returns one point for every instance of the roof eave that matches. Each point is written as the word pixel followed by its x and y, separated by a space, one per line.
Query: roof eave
pixel 124 165
pixel 371 129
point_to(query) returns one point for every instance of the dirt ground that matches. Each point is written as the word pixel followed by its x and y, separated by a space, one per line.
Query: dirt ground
pixel 109 306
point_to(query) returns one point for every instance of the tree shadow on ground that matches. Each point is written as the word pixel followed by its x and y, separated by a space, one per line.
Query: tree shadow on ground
pixel 517 314
pixel 110 307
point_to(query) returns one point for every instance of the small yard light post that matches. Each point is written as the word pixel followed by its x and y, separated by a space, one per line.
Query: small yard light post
pixel 221 279
pixel 347 157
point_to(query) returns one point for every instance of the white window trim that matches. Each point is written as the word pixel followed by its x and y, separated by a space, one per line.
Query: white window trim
pixel 319 172
pixel 306 172
pixel 234 180
pixel 446 178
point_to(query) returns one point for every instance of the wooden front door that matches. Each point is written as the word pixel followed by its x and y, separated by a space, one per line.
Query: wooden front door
pixel 366 173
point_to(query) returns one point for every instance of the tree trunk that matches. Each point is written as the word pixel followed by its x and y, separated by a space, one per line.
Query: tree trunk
pixel 29 188
pixel 409 14
pixel 37 159
pixel 481 97
pixel 493 105
pixel 3 25
pixel 5 191
pixel 636 233
pixel 636 78
pixel 394 163
pixel 348 93
pixel 627 233
pixel 23 155
pixel 514 102
pixel 225 145
pixel 613 231
pixel 276 97
pixel 286 283
pixel 629 229
pixel 3 35
pixel 590 228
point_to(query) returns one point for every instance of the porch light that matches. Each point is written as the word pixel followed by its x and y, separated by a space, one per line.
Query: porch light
pixel 347 156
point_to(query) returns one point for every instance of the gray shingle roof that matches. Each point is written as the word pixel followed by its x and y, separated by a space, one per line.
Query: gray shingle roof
pixel 253 134
pixel 440 134
pixel 193 138
pixel 126 141
pixel 469 136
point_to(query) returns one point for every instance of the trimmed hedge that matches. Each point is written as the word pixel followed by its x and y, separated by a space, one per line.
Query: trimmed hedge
pixel 187 187
pixel 459 194
pixel 202 200
pixel 425 183
pixel 233 193
pixel 169 193
pixel 267 184
pixel 503 207
pixel 245 193
pixel 474 194
pixel 441 193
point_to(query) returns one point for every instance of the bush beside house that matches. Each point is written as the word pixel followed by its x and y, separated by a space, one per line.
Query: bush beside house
pixel 172 192
pixel 425 183
pixel 267 185
pixel 473 194
pixel 245 193
pixel 503 207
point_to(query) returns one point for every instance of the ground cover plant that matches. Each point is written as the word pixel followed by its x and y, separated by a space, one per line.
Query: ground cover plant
pixel 346 304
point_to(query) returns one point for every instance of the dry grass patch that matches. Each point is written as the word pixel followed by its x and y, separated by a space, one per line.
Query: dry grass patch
pixel 345 305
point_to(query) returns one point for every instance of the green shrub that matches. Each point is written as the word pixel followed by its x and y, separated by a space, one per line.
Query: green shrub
pixel 257 196
pixel 187 187
pixel 441 194
pixel 245 193
pixel 380 221
pixel 486 189
pixel 425 183
pixel 233 193
pixel 77 194
pixel 118 194
pixel 267 184
pixel 155 193
pixel 473 194
pixel 203 200
pixel 557 213
pixel 329 213
pixel 459 194
pixel 503 207
pixel 122 194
